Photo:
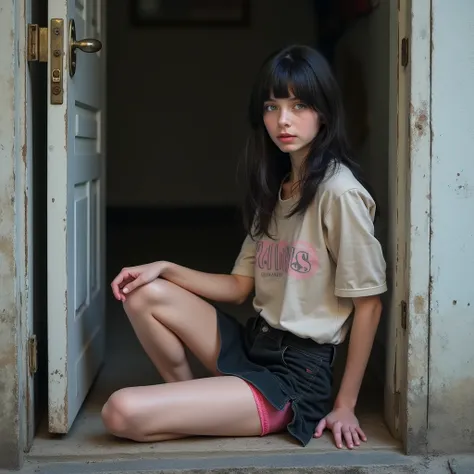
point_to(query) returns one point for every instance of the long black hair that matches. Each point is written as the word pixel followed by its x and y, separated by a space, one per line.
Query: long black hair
pixel 303 71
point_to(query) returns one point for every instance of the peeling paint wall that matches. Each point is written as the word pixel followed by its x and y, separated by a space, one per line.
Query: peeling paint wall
pixel 451 392
pixel 9 389
pixel 12 245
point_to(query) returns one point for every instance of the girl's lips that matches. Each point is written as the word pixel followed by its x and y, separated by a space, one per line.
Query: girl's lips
pixel 286 138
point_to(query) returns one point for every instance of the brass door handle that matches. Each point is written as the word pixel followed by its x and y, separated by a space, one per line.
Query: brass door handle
pixel 87 45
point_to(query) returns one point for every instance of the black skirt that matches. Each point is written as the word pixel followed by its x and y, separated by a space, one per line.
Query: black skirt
pixel 283 367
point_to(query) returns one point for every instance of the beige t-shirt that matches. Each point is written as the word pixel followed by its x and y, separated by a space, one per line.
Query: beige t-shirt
pixel 306 277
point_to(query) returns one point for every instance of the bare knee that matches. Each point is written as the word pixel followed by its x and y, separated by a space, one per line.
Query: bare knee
pixel 120 418
pixel 146 297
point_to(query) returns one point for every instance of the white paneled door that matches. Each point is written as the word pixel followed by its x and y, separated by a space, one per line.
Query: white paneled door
pixel 76 167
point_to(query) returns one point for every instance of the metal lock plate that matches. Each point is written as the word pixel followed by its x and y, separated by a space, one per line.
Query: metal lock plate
pixel 56 60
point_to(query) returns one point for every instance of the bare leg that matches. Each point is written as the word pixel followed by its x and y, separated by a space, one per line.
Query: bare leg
pixel 162 346
pixel 166 318
pixel 215 406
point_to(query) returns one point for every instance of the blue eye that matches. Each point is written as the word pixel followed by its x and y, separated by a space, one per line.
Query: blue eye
pixel 269 108
pixel 300 106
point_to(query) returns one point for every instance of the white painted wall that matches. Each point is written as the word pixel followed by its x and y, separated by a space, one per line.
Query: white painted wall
pixel 15 233
pixel 9 393
pixel 178 102
pixel 451 391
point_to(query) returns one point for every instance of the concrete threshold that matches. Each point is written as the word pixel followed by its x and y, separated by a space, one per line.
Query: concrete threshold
pixel 390 462
pixel 337 463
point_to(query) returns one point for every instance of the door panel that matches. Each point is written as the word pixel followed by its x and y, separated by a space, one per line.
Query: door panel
pixel 76 315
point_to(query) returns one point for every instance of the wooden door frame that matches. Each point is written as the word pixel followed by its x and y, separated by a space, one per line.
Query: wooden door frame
pixel 417 115
pixel 406 400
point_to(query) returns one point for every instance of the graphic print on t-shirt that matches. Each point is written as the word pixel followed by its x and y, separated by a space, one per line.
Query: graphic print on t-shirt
pixel 275 259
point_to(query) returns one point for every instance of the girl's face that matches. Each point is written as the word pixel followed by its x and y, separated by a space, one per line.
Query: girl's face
pixel 291 124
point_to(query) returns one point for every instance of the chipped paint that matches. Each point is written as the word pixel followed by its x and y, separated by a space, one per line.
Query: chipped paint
pixel 451 417
pixel 418 253
pixel 15 237
pixel 419 305
pixel 11 254
pixel 420 123
pixel 452 406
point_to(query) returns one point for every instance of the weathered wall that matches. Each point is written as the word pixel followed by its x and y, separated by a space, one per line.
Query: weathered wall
pixel 10 448
pixel 451 381
pixel 414 186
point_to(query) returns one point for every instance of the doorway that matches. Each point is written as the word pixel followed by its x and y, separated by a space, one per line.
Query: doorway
pixel 168 198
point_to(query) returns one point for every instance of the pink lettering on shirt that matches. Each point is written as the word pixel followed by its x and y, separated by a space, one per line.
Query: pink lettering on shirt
pixel 296 259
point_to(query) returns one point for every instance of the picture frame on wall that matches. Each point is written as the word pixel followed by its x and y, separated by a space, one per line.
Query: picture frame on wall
pixel 190 13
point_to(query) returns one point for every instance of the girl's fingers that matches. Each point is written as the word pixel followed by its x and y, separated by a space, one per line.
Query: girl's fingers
pixel 118 282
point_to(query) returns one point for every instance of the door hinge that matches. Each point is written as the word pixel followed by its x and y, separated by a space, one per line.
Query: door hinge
pixel 33 354
pixel 403 314
pixel 37 49
pixel 397 402
pixel 405 52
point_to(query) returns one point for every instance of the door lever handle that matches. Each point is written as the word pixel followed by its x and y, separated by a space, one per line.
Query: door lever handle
pixel 87 45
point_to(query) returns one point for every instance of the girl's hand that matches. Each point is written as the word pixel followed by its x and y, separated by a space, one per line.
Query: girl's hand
pixel 131 278
pixel 343 423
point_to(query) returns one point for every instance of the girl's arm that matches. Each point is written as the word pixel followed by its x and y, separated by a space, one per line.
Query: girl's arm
pixel 360 275
pixel 342 420
pixel 216 287
pixel 366 320
pixel 233 288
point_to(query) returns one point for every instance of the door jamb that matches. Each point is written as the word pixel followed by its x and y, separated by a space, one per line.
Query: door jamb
pixel 418 253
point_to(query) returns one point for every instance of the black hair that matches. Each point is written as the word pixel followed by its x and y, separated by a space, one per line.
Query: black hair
pixel 303 71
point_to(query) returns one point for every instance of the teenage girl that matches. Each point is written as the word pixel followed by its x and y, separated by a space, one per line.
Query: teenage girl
pixel 312 259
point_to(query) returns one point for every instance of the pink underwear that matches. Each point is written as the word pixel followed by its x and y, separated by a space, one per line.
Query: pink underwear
pixel 271 419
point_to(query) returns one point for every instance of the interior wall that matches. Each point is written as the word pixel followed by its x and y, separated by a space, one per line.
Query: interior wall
pixel 362 67
pixel 177 102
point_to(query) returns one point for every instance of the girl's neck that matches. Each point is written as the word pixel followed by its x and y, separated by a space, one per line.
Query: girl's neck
pixel 297 160
pixel 291 186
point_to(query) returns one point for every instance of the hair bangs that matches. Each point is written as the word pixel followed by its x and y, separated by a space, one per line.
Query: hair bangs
pixel 289 76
